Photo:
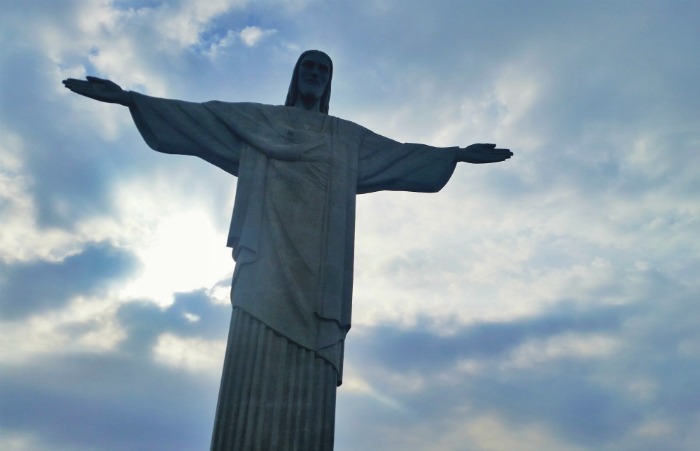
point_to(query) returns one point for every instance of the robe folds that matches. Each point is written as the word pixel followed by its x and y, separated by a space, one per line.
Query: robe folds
pixel 292 228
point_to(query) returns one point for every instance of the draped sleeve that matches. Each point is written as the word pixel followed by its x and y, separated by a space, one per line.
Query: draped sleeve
pixel 187 128
pixel 385 164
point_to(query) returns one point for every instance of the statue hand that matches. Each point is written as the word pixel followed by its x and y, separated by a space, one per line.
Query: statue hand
pixel 483 153
pixel 99 89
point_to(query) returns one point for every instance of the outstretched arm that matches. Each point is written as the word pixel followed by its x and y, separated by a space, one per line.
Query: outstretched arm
pixel 483 153
pixel 385 164
pixel 100 89
pixel 170 126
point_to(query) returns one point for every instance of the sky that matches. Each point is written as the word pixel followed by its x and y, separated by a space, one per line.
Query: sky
pixel 550 302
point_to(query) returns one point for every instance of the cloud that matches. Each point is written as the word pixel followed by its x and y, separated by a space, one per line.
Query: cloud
pixel 252 35
pixel 216 46
pixel 145 322
pixel 573 373
pixel 29 288
pixel 48 398
pixel 123 401
pixel 430 345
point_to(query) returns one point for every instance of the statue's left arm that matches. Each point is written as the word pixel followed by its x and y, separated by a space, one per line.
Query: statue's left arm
pixel 385 164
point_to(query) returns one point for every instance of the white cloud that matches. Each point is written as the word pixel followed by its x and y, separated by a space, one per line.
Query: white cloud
pixel 23 240
pixel 180 24
pixel 566 346
pixel 191 354
pixel 251 36
pixel 490 433
pixel 15 441
pixel 86 325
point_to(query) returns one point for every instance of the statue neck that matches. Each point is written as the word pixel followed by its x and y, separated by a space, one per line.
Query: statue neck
pixel 308 103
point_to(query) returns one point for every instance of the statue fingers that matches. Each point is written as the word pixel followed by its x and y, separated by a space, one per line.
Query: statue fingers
pixel 79 86
pixel 504 152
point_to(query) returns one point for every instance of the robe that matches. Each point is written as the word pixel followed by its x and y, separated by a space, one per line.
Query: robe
pixel 292 227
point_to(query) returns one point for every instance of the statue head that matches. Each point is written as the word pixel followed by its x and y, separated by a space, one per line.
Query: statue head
pixel 311 79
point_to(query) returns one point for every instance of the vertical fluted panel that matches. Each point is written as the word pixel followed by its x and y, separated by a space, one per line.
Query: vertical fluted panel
pixel 275 395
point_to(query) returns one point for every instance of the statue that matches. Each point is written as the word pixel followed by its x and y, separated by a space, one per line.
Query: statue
pixel 292 234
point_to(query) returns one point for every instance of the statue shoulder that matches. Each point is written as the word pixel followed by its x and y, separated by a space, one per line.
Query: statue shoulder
pixel 353 129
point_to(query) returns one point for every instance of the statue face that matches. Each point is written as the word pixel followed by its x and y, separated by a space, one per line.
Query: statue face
pixel 314 71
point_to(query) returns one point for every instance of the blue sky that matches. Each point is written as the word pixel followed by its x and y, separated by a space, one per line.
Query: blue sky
pixel 547 303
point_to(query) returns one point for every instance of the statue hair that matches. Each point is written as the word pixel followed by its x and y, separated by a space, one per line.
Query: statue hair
pixel 293 92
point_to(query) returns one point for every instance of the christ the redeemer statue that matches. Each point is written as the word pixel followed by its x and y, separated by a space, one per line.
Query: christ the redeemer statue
pixel 292 233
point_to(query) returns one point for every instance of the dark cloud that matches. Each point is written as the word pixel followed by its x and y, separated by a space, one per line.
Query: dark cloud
pixel 144 321
pixel 30 288
pixel 122 397
pixel 422 347
pixel 87 402
pixel 587 402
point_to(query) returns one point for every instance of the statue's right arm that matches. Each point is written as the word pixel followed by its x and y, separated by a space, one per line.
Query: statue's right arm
pixel 100 89
pixel 170 126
